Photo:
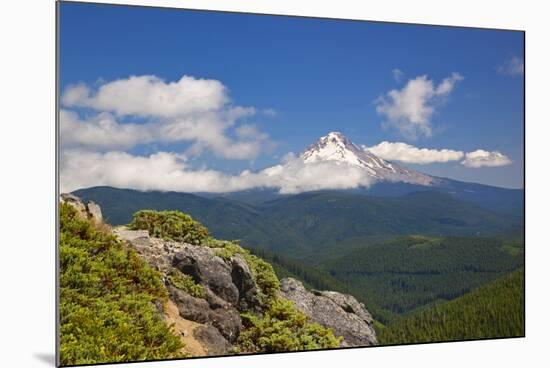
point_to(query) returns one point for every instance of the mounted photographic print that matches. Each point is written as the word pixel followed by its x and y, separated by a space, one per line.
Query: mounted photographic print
pixel 234 183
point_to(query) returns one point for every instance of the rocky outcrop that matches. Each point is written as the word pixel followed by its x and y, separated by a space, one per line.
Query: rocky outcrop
pixel 228 284
pixel 208 270
pixel 89 210
pixel 340 312
pixel 94 212
pixel 230 289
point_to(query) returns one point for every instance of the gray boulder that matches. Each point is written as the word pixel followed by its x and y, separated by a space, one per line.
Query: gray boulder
pixel 340 312
pixel 189 307
pixel 224 317
pixel 94 212
pixel 211 339
pixel 244 281
pixel 89 210
pixel 227 321
pixel 207 269
pixel 75 202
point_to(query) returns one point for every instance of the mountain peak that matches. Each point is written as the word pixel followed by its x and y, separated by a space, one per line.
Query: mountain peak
pixel 332 147
pixel 335 135
pixel 336 147
pixel 337 138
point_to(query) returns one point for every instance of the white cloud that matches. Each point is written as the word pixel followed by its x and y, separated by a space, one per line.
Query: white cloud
pixel 169 171
pixel 397 74
pixel 410 109
pixel 403 152
pixel 295 176
pixel 482 158
pixel 196 111
pixel 249 131
pixel 512 67
pixel 148 95
pixel 101 131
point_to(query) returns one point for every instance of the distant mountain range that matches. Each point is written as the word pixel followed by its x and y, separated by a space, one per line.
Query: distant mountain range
pixel 389 179
pixel 312 222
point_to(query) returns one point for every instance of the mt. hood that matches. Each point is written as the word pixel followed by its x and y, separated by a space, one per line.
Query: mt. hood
pixel 335 147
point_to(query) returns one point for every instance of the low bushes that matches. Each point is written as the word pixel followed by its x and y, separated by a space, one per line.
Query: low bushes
pixel 170 225
pixel 283 328
pixel 108 297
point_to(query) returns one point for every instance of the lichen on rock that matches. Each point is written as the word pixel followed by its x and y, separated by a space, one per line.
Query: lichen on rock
pixel 340 312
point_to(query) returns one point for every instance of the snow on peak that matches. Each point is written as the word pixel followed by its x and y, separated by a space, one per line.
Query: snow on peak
pixel 336 147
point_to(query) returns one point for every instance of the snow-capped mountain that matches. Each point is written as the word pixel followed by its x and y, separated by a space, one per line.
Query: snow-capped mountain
pixel 338 148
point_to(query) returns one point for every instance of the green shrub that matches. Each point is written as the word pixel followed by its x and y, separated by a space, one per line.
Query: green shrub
pixel 170 225
pixel 265 278
pixel 108 297
pixel 283 328
pixel 186 283
pixel 224 248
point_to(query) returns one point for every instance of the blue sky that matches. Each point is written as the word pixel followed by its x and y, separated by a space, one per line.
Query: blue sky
pixel 316 75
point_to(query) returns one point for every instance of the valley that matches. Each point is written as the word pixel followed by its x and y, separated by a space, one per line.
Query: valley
pixel 395 254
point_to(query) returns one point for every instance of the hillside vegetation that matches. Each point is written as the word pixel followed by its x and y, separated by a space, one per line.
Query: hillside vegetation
pixel 111 300
pixel 107 299
pixel 491 311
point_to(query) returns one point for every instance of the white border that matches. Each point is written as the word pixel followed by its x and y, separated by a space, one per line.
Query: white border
pixel 27 202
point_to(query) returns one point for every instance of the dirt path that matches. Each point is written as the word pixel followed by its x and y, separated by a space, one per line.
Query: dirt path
pixel 184 329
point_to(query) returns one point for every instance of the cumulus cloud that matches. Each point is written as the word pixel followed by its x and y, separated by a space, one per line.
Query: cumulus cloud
pixel 295 176
pixel 146 109
pixel 410 109
pixel 101 131
pixel 482 158
pixel 403 152
pixel 170 171
pixel 512 67
pixel 149 95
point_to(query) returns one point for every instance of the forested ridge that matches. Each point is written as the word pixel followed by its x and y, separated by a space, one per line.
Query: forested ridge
pixel 491 311
pixel 411 272
pixel 312 226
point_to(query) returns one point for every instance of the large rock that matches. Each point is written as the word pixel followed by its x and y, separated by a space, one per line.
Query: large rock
pixel 89 210
pixel 94 212
pixel 212 340
pixel 244 281
pixel 191 308
pixel 340 312
pixel 227 321
pixel 153 250
pixel 207 269
pixel 75 202
pixel 224 317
